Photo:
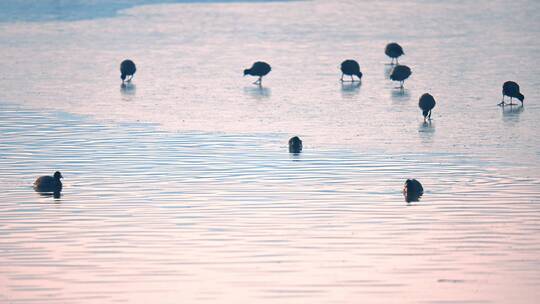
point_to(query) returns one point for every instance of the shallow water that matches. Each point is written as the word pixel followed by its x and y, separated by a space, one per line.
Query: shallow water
pixel 179 188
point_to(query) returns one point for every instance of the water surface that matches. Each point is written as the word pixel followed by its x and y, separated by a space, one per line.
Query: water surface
pixel 179 188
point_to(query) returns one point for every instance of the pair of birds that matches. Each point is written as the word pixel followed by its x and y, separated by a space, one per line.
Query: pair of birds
pixel 412 190
pixel 259 68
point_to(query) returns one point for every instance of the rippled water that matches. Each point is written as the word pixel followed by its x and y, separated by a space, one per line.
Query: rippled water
pixel 180 188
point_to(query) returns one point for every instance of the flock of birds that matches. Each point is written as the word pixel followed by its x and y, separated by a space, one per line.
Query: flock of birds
pixel 412 190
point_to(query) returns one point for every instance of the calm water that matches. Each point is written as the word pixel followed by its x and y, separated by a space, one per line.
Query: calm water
pixel 180 188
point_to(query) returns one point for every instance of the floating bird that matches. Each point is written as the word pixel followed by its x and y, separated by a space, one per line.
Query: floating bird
pixel 260 69
pixel 426 103
pixel 400 73
pixel 350 67
pixel 295 145
pixel 412 190
pixel 49 183
pixel 127 68
pixel 511 89
pixel 393 50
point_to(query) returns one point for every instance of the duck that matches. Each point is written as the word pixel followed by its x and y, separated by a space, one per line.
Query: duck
pixel 400 73
pixel 394 50
pixel 413 190
pixel 426 104
pixel 295 145
pixel 49 183
pixel 511 89
pixel 127 68
pixel 350 67
pixel 260 69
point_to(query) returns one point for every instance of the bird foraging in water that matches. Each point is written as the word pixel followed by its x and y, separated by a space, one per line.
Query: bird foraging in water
pixel 511 89
pixel 400 73
pixel 260 69
pixel 49 183
pixel 295 145
pixel 127 68
pixel 393 50
pixel 350 67
pixel 426 103
pixel 413 190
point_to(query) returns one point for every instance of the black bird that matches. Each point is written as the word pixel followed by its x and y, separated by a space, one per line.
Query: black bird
pixel 426 103
pixel 400 73
pixel 393 50
pixel 127 68
pixel 295 145
pixel 49 183
pixel 350 67
pixel 511 89
pixel 412 190
pixel 260 69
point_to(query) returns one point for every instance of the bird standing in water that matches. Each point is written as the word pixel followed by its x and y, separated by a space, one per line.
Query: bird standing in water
pixel 49 183
pixel 127 68
pixel 393 50
pixel 400 73
pixel 260 69
pixel 426 103
pixel 350 67
pixel 511 89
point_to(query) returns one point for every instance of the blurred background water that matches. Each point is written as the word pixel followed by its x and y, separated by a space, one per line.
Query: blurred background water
pixel 179 188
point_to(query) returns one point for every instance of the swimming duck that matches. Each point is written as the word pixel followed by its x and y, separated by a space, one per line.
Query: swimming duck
pixel 413 190
pixel 49 183
pixel 295 145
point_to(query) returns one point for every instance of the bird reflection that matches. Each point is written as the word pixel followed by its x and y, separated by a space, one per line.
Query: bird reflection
pixel 400 94
pixel 388 67
pixel 511 113
pixel 258 91
pixel 349 89
pixel 55 194
pixel 128 89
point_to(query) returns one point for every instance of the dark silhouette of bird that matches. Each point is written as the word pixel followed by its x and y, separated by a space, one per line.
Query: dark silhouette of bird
pixel 400 73
pixel 393 50
pixel 511 89
pixel 127 68
pixel 350 67
pixel 426 103
pixel 49 183
pixel 295 145
pixel 260 69
pixel 413 190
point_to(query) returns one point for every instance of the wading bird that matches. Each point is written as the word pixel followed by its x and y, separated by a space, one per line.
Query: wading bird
pixel 260 69
pixel 350 67
pixel 127 68
pixel 393 50
pixel 511 89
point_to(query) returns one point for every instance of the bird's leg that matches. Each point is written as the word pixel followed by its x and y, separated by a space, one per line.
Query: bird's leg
pixel 352 78
pixel 401 84
pixel 258 81
pixel 512 101
pixel 341 79
pixel 397 62
pixel 429 115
